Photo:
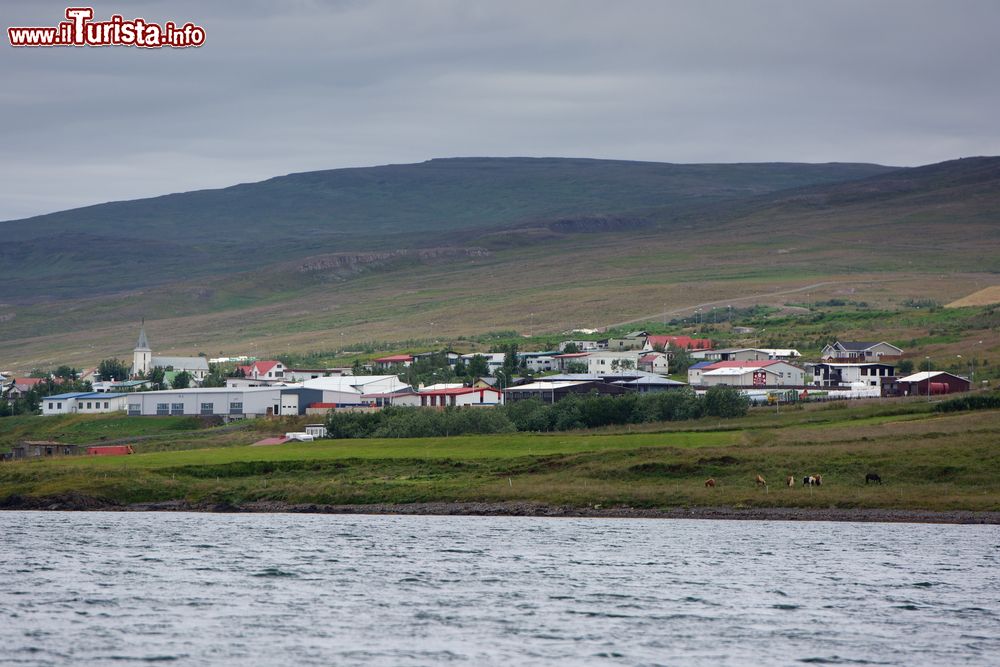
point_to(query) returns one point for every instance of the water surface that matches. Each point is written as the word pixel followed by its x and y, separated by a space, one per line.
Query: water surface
pixel 199 589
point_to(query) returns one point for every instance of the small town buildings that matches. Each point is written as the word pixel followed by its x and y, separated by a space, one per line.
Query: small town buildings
pixel 932 383
pixel 113 387
pixel 88 402
pixel 832 374
pixel 449 357
pixel 856 352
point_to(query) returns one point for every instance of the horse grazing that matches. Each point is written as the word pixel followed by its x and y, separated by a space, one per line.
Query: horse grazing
pixel 812 480
pixel 790 481
pixel 872 477
pixel 760 481
pixel 710 483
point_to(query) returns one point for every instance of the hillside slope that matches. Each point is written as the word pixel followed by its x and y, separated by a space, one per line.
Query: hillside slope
pixel 123 245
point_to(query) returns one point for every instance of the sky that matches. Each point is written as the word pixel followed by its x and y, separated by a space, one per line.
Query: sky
pixel 300 85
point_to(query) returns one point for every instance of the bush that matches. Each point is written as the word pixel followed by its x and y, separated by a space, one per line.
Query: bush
pixel 973 402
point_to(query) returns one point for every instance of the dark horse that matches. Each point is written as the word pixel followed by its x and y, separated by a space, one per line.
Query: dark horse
pixel 872 477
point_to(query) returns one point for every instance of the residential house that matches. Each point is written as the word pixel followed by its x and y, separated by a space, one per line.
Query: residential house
pixel 391 361
pixel 655 362
pixel 300 374
pixel 451 358
pixel 833 374
pixel 610 362
pixel 453 397
pixel 772 373
pixel 584 345
pixel 861 352
pixel 21 386
pixel 632 341
pixel 494 360
pixel 263 370
pixel 539 362
pixel 746 354
pixel 565 361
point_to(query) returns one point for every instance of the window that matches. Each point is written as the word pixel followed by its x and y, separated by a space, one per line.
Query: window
pixel 134 409
pixel 106 405
pixel 236 407
pixel 207 408
pixel 162 408
pixel 176 408
pixel 50 405
pixel 59 405
pixel 88 405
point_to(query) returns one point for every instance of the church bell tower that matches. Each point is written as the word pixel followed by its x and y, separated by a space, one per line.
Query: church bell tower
pixel 141 355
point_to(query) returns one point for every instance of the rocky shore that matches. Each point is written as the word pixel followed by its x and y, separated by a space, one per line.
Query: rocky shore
pixel 76 502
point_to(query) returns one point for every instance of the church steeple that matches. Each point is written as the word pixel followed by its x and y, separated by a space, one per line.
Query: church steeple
pixel 142 355
pixel 143 343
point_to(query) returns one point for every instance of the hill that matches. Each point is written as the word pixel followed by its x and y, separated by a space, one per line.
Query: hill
pixel 123 245
pixel 927 234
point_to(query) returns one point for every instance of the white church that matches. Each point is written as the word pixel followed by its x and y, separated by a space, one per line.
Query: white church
pixel 143 360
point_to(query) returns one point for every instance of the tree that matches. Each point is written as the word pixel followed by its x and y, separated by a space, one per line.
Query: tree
pixel 680 359
pixel 155 377
pixel 905 367
pixel 478 366
pixel 113 369
pixel 571 348
pixel 725 401
pixel 67 373
pixel 181 381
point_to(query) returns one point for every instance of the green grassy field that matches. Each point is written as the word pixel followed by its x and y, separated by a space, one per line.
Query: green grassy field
pixel 928 461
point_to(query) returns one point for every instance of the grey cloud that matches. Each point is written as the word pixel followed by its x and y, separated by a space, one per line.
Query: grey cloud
pixel 282 87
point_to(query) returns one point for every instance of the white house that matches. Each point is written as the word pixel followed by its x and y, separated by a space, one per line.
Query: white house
pixel 494 360
pixel 742 374
pixel 845 374
pixel 655 362
pixel 607 362
pixel 540 362
pixel 263 370
pixel 746 354
pixel 83 403
pixel 478 397
pixel 857 352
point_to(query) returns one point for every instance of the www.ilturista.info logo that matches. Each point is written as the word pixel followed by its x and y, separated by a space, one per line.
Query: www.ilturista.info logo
pixel 80 30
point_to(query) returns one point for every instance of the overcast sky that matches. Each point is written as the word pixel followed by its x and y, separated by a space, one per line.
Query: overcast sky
pixel 299 85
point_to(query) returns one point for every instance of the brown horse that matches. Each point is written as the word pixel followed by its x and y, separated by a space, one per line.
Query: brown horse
pixel 760 481
pixel 710 483
pixel 790 480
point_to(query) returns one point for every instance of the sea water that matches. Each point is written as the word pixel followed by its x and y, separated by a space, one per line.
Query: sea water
pixel 292 589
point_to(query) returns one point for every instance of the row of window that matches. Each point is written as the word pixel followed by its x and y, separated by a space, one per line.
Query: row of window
pixel 162 409
pixel 91 405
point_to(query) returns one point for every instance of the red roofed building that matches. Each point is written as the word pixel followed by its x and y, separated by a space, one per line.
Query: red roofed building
pixel 384 363
pixel 263 370
pixel 22 386
pixel 455 397
pixel 683 342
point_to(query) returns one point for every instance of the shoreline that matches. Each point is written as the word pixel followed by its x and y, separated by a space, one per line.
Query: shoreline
pixel 80 503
